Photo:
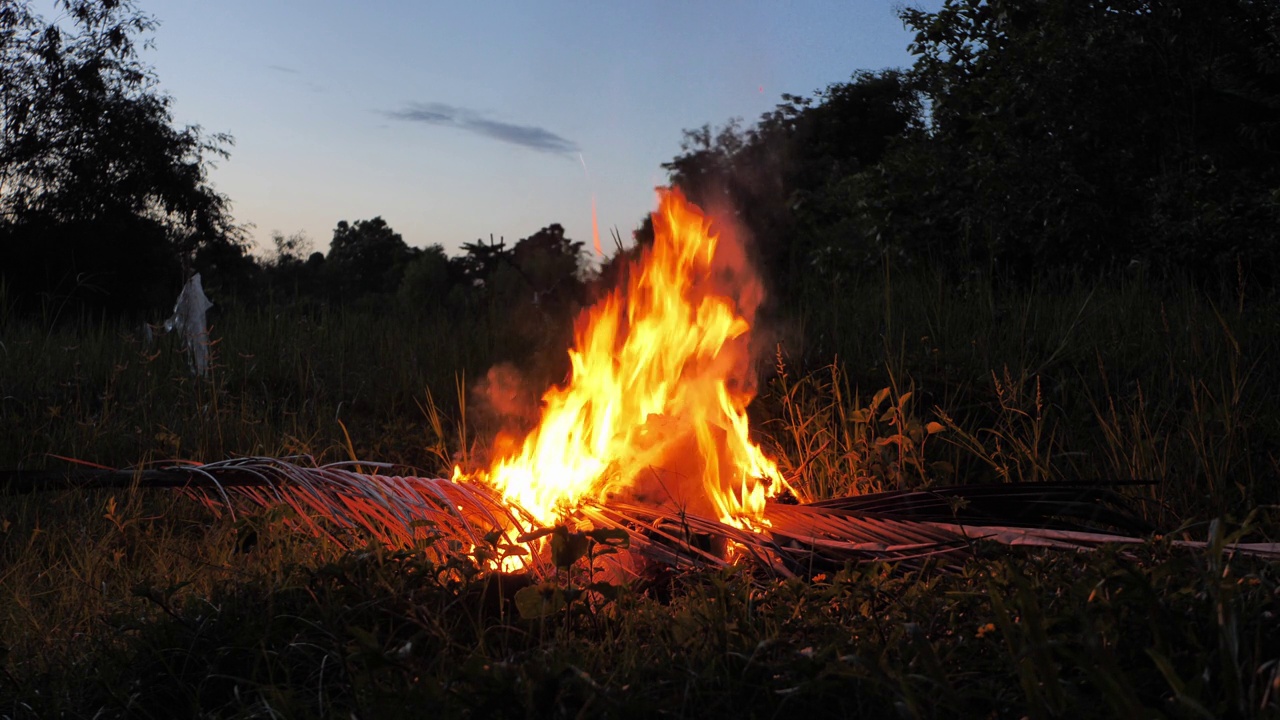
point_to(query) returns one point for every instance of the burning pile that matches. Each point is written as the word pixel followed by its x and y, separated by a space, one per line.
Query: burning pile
pixel 655 408
pixel 649 441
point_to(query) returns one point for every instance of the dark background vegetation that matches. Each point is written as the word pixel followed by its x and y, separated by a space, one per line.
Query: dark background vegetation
pixel 1029 143
pixel 1046 251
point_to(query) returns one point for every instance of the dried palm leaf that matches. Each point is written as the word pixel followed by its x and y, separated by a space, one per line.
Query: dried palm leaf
pixel 442 516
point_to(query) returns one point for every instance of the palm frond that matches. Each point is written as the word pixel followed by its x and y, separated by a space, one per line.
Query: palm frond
pixel 446 517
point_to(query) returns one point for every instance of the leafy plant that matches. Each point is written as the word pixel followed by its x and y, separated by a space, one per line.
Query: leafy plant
pixel 848 446
pixel 575 555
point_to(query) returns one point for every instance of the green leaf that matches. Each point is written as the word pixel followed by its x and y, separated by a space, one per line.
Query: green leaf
pixel 365 639
pixel 1166 668
pixel 539 601
pixel 567 548
pixel 1175 683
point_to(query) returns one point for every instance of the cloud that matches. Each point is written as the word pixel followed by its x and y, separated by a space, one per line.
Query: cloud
pixel 534 138
pixel 298 79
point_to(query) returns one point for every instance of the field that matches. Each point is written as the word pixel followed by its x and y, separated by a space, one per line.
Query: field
pixel 142 603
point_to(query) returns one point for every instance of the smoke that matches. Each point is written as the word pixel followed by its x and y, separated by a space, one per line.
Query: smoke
pixel 505 407
pixel 734 276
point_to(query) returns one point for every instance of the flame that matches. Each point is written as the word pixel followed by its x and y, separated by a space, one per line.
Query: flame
pixel 655 407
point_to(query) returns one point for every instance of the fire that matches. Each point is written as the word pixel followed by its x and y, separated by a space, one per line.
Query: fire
pixel 655 406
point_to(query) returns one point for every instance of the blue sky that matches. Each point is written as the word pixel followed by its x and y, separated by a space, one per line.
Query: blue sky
pixel 457 120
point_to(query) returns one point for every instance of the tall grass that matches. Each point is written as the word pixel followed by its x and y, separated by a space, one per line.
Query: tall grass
pixel 282 383
pixel 1112 380
pixel 137 603
pixel 896 383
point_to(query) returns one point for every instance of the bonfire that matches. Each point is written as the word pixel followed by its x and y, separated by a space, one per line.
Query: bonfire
pixel 648 446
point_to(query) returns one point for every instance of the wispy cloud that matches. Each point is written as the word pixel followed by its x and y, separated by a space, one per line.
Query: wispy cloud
pixel 532 137
pixel 296 78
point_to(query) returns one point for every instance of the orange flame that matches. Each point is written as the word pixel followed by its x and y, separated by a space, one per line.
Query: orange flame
pixel 655 407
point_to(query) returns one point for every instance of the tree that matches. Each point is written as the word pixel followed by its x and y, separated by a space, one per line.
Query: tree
pixel 286 270
pixel 367 257
pixel 478 264
pixel 1083 134
pixel 1029 139
pixel 427 281
pixel 98 188
pixel 783 178
pixel 551 265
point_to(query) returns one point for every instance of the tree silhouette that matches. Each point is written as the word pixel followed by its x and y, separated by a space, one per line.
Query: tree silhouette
pixel 1029 140
pixel 781 177
pixel 367 257
pixel 427 281
pixel 551 265
pixel 1086 134
pixel 480 260
pixel 98 188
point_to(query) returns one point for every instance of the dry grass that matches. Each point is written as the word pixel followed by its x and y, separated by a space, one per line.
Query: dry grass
pixel 143 604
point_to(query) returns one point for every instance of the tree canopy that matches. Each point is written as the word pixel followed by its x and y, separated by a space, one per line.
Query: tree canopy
pixel 102 197
pixel 1029 139
pixel 367 256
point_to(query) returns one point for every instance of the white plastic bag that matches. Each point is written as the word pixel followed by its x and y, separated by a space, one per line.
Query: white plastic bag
pixel 189 320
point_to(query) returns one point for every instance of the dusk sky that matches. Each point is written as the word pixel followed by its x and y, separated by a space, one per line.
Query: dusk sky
pixel 457 120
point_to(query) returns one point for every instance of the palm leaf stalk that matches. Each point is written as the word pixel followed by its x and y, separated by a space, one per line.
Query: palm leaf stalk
pixel 352 503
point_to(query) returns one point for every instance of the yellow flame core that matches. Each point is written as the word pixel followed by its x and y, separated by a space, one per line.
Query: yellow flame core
pixel 655 406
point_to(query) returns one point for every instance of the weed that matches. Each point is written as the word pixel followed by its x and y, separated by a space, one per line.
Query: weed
pixel 140 603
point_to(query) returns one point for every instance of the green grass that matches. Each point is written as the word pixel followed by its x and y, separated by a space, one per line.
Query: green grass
pixel 141 604
pixel 284 630
pixel 1117 380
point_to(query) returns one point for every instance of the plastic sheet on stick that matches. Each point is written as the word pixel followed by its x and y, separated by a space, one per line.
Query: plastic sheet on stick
pixel 188 320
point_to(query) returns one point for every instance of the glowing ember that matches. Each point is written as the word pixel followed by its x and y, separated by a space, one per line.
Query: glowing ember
pixel 655 408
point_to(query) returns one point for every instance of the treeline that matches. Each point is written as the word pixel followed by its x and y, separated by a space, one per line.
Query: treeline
pixel 1029 141
pixel 105 204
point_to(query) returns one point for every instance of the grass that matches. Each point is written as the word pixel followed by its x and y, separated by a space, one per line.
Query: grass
pixel 140 604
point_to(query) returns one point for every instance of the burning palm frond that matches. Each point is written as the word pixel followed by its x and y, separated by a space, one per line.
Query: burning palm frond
pixel 444 516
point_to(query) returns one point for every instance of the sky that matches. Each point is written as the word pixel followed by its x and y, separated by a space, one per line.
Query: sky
pixel 460 120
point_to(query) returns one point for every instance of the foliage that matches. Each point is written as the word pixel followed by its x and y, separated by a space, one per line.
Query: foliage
pixel 427 280
pixel 577 557
pixel 1028 141
pixel 168 613
pixel 775 177
pixel 366 257
pixel 139 604
pixel 101 196
pixel 1090 134
pixel 834 445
